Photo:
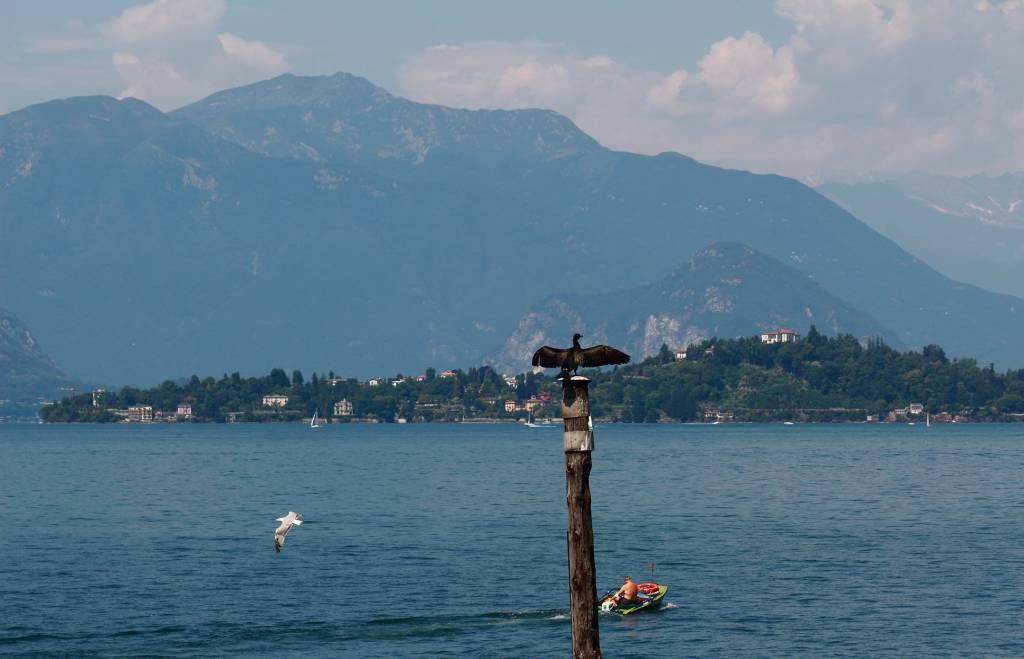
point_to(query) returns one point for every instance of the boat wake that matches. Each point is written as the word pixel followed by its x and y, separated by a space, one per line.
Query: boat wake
pixel 444 625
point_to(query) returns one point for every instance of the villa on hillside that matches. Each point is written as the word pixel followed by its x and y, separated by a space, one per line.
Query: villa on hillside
pixel 275 400
pixel 780 336
pixel 343 408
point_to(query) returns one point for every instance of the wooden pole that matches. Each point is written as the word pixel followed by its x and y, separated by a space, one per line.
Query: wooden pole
pixel 578 442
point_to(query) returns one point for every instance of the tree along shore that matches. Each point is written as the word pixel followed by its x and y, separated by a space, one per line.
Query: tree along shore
pixel 816 379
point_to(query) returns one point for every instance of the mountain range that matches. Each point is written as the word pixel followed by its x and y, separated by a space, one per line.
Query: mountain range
pixel 321 222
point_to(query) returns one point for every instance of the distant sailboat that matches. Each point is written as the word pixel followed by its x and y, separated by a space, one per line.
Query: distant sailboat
pixel 313 422
pixel 927 420
pixel 530 424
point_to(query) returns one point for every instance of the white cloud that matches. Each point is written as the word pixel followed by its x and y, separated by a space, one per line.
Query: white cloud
pixel 155 81
pixel 165 52
pixel 747 74
pixel 165 19
pixel 860 87
pixel 254 54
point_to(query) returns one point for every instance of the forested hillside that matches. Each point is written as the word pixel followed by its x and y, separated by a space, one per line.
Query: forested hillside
pixel 817 378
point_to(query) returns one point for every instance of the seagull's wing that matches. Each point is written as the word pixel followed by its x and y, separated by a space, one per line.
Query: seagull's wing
pixel 549 357
pixel 602 356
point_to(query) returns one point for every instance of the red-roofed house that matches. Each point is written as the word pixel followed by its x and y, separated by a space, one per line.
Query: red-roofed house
pixel 780 336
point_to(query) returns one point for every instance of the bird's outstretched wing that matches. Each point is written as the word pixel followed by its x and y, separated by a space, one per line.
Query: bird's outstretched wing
pixel 289 520
pixel 549 357
pixel 601 356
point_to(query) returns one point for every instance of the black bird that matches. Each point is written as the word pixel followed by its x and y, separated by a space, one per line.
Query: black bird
pixel 570 359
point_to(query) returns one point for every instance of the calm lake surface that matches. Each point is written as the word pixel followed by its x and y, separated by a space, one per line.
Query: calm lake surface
pixel 445 541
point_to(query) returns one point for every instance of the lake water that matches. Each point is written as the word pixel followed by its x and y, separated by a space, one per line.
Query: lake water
pixel 449 541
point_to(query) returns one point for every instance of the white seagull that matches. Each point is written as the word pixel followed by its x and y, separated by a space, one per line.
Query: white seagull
pixel 287 522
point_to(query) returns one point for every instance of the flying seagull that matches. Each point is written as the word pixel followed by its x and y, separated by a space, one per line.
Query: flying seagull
pixel 570 359
pixel 287 522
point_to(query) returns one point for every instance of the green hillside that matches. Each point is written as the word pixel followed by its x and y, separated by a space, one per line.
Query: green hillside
pixel 818 379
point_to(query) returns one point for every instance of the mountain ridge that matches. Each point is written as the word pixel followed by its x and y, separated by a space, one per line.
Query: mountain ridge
pixel 339 119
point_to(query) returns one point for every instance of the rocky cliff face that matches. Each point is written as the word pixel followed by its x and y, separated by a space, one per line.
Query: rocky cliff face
pixel 725 290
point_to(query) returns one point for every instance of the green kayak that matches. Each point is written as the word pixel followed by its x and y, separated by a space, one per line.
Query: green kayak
pixel 650 597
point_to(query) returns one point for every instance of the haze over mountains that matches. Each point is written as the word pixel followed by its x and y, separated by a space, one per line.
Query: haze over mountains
pixel 321 223
pixel 969 228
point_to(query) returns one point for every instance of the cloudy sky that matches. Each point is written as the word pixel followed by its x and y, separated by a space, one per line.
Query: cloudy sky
pixel 809 88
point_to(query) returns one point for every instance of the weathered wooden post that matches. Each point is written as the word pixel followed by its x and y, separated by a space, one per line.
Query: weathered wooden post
pixel 578 442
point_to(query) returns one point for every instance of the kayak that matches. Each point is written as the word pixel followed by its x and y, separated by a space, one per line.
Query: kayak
pixel 650 596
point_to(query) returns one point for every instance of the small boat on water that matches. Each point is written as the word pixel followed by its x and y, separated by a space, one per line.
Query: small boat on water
pixel 313 423
pixel 651 596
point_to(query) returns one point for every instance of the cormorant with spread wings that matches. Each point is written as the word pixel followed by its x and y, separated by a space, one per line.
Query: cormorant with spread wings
pixel 570 359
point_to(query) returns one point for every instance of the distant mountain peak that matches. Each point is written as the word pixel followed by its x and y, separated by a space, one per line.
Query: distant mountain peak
pixel 290 91
pixel 99 107
pixel 726 289
pixel 346 118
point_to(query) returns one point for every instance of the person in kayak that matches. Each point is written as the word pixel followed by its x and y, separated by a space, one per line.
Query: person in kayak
pixel 627 593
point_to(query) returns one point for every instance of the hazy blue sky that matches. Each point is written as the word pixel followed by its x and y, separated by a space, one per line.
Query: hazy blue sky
pixel 802 87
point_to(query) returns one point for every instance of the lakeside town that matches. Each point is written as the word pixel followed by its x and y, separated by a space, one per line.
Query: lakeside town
pixel 777 376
